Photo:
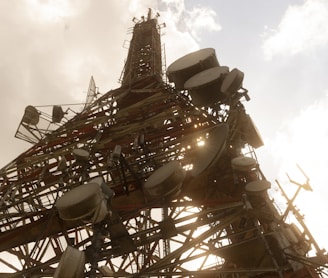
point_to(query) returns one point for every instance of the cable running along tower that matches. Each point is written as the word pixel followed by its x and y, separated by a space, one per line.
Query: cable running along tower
pixel 152 179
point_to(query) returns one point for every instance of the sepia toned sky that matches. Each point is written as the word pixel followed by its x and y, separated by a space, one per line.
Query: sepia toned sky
pixel 50 49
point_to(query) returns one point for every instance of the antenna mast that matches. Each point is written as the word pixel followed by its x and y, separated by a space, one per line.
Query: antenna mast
pixel 151 179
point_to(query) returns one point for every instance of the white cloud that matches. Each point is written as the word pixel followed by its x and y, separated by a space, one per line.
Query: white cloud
pixel 302 28
pixel 192 20
pixel 303 140
pixel 184 26
pixel 201 18
pixel 49 11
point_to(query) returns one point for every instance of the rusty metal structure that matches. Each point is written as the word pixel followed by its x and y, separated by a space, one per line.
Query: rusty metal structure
pixel 155 178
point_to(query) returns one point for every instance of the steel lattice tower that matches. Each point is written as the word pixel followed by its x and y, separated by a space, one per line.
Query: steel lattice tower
pixel 125 188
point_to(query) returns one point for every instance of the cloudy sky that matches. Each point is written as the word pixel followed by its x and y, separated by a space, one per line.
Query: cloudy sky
pixel 49 50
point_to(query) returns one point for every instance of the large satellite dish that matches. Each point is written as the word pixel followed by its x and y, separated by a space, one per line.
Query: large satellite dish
pixel 187 66
pixel 204 87
pixel 211 152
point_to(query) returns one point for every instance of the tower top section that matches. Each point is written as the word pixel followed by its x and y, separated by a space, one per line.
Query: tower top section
pixel 144 57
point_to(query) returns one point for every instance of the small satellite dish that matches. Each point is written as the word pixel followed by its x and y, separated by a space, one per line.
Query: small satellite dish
pixel 81 154
pixel 92 93
pixel 232 82
pixel 31 115
pixel 166 180
pixel 243 163
pixel 57 114
pixel 71 264
pixel 258 186
pixel 85 202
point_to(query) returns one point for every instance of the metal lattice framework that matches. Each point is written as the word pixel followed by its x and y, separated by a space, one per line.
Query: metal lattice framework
pixel 210 227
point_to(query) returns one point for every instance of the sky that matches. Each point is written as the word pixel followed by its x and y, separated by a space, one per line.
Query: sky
pixel 49 50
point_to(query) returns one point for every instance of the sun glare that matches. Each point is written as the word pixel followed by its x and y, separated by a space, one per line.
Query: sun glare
pixel 303 142
pixel 200 142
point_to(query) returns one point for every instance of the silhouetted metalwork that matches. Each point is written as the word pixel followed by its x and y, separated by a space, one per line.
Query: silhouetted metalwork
pixel 152 179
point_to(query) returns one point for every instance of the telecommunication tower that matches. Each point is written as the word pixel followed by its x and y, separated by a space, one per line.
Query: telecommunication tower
pixel 152 179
